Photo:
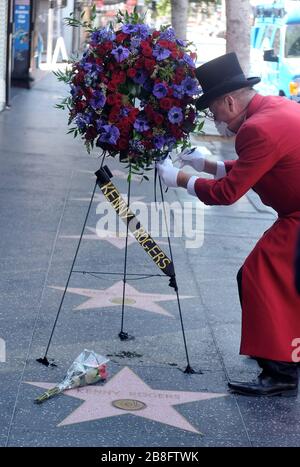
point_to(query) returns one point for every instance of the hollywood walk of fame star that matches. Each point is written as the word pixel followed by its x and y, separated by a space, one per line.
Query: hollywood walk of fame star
pixel 116 239
pixel 112 296
pixel 125 389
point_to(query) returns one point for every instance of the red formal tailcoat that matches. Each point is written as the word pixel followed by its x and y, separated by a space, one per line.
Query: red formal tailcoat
pixel 268 148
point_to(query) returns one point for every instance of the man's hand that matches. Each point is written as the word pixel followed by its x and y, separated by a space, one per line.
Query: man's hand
pixel 167 172
pixel 194 158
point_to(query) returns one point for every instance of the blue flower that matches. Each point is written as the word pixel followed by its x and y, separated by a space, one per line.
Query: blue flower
pixel 190 86
pixel 98 100
pixel 170 141
pixel 82 120
pixel 161 53
pixel 129 28
pixel 160 90
pixel 120 53
pixel 135 42
pixel 178 91
pixel 74 90
pixel 159 141
pixel 140 77
pixel 109 134
pixel 189 61
pixel 141 124
pixel 103 35
pixel 143 31
pixel 175 115
pixel 181 42
pixel 168 35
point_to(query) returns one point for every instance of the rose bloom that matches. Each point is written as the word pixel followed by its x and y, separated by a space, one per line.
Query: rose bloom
pixel 90 133
pixel 112 86
pixel 149 64
pixel 121 37
pixel 119 76
pixel 131 72
pixel 158 119
pixel 147 51
pixel 81 105
pixel 166 103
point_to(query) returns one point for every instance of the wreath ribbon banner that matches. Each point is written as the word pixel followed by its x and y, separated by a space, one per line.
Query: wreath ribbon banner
pixel 149 245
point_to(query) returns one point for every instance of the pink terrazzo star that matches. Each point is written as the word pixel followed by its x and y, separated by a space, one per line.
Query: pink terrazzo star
pixel 117 239
pixel 114 238
pixel 112 296
pixel 130 390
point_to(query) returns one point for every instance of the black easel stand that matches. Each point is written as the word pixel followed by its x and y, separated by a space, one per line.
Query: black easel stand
pixel 173 283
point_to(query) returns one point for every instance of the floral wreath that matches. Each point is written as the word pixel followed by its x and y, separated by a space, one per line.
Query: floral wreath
pixel 133 92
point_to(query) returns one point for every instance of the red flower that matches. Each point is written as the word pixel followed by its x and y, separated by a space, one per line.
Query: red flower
pixel 124 126
pixel 147 144
pixel 121 36
pixel 147 52
pixel 80 106
pixel 90 133
pixel 88 92
pixel 166 103
pixel 158 119
pixel 131 72
pixel 140 63
pixel 123 144
pixel 133 114
pixel 155 34
pixel 148 134
pixel 111 99
pixel 149 64
pixel 176 131
pixel 112 86
pixel 114 115
pixel 119 77
pixel 108 46
pixel 149 111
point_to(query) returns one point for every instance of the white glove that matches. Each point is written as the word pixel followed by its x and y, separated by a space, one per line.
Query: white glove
pixel 221 170
pixel 167 172
pixel 194 157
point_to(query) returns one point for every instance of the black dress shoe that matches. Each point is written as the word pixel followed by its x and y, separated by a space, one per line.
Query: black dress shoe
pixel 265 385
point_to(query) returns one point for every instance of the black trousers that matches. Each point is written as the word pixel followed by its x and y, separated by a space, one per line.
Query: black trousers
pixel 283 371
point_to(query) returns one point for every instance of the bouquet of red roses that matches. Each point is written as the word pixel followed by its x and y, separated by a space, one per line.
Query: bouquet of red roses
pixel 133 92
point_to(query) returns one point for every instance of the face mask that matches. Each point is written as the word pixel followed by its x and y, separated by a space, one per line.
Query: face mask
pixel 223 129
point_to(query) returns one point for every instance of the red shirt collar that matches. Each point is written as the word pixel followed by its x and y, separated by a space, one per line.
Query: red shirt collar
pixel 254 105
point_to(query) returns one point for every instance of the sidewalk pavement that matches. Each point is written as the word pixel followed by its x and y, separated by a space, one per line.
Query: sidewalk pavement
pixel 46 181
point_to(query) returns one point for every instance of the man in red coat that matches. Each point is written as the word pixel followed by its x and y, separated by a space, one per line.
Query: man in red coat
pixel 268 146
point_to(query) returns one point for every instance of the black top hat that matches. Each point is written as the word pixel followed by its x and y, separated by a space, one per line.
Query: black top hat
pixel 220 76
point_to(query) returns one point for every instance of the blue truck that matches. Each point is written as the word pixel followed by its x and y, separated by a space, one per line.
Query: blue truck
pixel 275 49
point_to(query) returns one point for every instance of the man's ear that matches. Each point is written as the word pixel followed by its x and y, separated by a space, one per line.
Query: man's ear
pixel 229 102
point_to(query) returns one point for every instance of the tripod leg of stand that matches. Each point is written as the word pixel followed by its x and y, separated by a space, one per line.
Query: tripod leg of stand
pixel 122 334
pixel 45 360
pixel 173 282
